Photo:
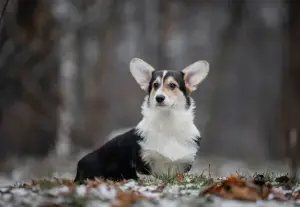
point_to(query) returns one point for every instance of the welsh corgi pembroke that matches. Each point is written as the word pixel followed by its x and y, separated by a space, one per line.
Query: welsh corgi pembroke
pixel 165 141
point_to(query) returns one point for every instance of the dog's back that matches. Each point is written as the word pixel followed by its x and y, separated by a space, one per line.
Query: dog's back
pixel 115 160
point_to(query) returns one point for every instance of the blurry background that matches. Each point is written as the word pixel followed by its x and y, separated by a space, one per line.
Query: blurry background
pixel 65 81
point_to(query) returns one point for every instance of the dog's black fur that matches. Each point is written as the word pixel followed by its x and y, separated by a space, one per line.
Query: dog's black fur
pixel 118 159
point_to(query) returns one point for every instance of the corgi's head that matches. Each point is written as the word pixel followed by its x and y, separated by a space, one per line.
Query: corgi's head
pixel 168 89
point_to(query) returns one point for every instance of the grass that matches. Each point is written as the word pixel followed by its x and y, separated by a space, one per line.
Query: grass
pixel 203 179
pixel 187 184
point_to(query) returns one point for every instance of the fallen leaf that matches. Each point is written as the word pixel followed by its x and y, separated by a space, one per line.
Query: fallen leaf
pixel 213 190
pixel 126 199
pixel 234 180
pixel 235 188
pixel 180 177
pixel 234 192
pixel 94 183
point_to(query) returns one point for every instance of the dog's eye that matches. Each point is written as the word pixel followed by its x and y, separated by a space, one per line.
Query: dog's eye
pixel 155 85
pixel 172 86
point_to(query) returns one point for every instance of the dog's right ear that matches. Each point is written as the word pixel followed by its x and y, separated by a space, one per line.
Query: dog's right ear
pixel 142 72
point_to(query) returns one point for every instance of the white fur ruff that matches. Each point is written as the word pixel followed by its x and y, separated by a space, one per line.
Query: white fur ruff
pixel 169 135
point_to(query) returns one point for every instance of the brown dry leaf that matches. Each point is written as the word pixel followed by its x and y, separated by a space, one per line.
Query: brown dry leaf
pixel 216 188
pixel 72 188
pixel 120 183
pixel 35 182
pixel 26 185
pixel 234 192
pixel 213 190
pixel 180 177
pixel 297 197
pixel 94 183
pixel 234 180
pixel 234 188
pixel 69 183
pixel 126 199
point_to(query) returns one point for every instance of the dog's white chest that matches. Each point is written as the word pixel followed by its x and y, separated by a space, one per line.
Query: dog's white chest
pixel 168 145
pixel 167 157
pixel 173 148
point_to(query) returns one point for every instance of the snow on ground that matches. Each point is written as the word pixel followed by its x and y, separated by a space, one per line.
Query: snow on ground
pixel 106 195
pixel 159 192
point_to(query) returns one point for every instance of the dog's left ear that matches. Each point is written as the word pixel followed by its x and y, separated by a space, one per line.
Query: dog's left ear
pixel 142 72
pixel 195 73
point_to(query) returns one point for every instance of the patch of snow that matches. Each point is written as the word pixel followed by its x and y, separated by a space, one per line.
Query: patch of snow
pixel 172 189
pixel 81 190
pixel 6 196
pixel 19 191
pixel 130 184
pixel 190 192
pixel 271 196
pixel 3 190
pixel 148 191
pixel 188 180
pixel 107 191
pixel 147 188
pixel 190 185
pixel 63 175
pixel 5 181
pixel 58 190
pixel 168 203
pixel 297 189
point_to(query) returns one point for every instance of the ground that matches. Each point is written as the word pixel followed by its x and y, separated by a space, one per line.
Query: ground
pixel 181 190
pixel 48 182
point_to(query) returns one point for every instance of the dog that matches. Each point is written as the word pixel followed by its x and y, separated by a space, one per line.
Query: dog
pixel 165 141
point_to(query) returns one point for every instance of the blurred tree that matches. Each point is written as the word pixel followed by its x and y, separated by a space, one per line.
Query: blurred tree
pixel 28 78
pixel 66 13
pixel 290 98
pixel 64 70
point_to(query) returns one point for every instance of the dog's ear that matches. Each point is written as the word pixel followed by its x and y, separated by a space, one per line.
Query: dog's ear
pixel 142 72
pixel 195 73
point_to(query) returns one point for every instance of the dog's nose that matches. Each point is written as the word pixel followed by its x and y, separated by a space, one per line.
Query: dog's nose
pixel 160 98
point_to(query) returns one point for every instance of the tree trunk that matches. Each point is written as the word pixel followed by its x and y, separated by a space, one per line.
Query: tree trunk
pixel 68 74
pixel 290 98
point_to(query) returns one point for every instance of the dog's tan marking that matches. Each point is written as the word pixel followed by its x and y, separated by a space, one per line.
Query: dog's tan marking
pixel 168 90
